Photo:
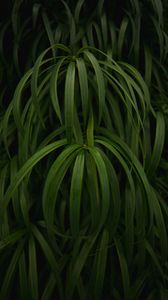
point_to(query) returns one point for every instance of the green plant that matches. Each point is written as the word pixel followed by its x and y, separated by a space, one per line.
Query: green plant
pixel 83 157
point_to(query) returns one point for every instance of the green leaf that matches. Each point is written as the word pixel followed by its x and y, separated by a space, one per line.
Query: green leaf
pixel 17 99
pixel 23 280
pixel 33 271
pixel 78 266
pixel 122 36
pixel 158 144
pixel 6 285
pixel 90 129
pixel 69 100
pixel 93 190
pixel 104 30
pixel 83 81
pixel 115 193
pixel 109 145
pixel 48 291
pixel 5 127
pixel 15 197
pixel 54 179
pixel 124 270
pixel 100 81
pixel 27 167
pixel 49 256
pixel 76 192
pixel 35 76
pixel 78 10
pixel 54 87
pixel 104 184
pixel 47 25
pixel 154 257
pixel 12 238
pixel 101 265
pixel 161 225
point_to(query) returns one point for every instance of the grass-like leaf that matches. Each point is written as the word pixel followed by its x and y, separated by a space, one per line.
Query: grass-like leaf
pixel 69 100
pixel 75 193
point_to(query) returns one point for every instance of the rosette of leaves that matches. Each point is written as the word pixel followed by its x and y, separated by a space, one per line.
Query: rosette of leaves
pixel 77 184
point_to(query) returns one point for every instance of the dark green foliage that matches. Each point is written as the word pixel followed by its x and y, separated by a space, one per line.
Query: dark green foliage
pixel 83 156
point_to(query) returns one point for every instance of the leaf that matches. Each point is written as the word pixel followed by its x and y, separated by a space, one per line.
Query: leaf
pixel 122 36
pixel 78 134
pixel 158 144
pixel 124 269
pixel 93 190
pixel 104 183
pixel 47 25
pixel 101 265
pixel 154 258
pixel 83 81
pixel 23 280
pixel 52 135
pixel 48 291
pixel 15 197
pixel 157 4
pixel 78 10
pixel 17 99
pixel 5 287
pixel 50 257
pixel 54 179
pixel 129 235
pixel 76 192
pixel 115 199
pixel 35 76
pixel 33 271
pixel 90 129
pixel 115 152
pixel 69 100
pixel 27 167
pixel 12 238
pixel 104 30
pixel 100 81
pixel 161 225
pixel 72 27
pixel 54 88
pixel 35 12
pixel 15 16
pixel 131 158
pixel 79 264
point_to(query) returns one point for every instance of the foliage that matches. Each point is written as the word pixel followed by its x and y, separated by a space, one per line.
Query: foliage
pixel 83 135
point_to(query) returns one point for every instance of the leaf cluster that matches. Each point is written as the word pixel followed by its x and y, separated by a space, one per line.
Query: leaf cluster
pixel 83 157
